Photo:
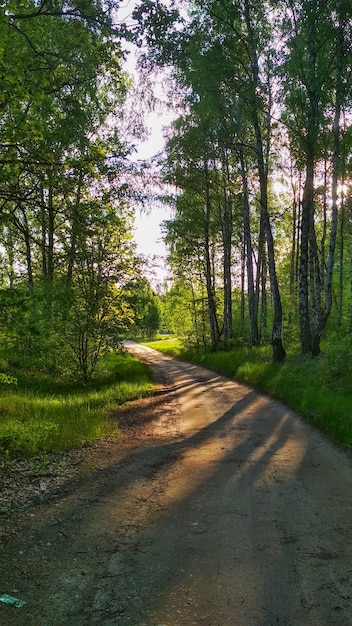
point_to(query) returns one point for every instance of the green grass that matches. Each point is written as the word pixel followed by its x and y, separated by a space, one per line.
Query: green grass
pixel 319 389
pixel 169 345
pixel 41 414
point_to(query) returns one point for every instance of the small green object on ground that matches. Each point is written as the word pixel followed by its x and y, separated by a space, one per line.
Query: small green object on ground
pixel 10 600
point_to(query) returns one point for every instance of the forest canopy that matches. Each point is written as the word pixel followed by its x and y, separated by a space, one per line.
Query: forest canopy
pixel 260 155
pixel 68 261
pixel 258 161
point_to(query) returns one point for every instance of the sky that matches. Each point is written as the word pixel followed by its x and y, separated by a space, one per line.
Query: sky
pixel 148 236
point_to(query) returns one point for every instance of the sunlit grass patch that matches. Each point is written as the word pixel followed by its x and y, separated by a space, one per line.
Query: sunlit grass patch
pixel 50 417
pixel 171 345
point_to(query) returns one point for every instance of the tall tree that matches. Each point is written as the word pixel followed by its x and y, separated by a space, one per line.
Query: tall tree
pixel 316 70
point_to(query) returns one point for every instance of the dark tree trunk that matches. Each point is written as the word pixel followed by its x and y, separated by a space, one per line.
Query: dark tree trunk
pixel 263 328
pixel 315 287
pixel 341 258
pixel 227 258
pixel 307 209
pixel 43 227
pixel 336 159
pixel 11 257
pixel 28 258
pixel 23 227
pixel 208 268
pixel 74 231
pixel 195 315
pixel 299 222
pixel 51 230
pixel 227 276
pixel 325 224
pixel 279 352
pixel 252 300
pixel 293 277
pixel 261 280
pixel 243 304
pixel 350 261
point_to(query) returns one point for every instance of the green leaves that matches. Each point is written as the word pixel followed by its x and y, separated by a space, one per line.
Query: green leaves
pixel 66 227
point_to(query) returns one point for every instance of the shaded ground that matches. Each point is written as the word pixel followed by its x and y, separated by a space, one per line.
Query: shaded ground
pixel 217 507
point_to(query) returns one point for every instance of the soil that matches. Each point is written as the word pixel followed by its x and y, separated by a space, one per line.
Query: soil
pixel 217 506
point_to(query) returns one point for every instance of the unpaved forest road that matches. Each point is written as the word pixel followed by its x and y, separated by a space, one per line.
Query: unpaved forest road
pixel 228 511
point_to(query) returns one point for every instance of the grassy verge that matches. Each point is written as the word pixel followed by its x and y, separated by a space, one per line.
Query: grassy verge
pixel 41 414
pixel 319 389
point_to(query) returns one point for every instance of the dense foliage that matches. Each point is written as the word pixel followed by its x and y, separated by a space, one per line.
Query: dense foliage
pixel 66 252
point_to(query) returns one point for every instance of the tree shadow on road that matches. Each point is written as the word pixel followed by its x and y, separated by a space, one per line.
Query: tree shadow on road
pixel 207 528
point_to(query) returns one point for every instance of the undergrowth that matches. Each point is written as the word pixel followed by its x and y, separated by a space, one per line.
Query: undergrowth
pixel 42 414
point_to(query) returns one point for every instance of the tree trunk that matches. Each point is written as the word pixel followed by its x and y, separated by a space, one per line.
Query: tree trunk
pixel 307 209
pixel 341 258
pixel 23 227
pixel 195 314
pixel 263 328
pixel 74 230
pixel 28 254
pixel 11 257
pixel 293 281
pixel 335 174
pixel 227 275
pixel 325 225
pixel 208 267
pixel 260 287
pixel 252 301
pixel 43 227
pixel 243 304
pixel 227 259
pixel 279 352
pixel 350 259
pixel 315 287
pixel 51 229
pixel 299 222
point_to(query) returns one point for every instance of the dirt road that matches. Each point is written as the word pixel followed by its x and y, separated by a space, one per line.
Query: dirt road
pixel 224 510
